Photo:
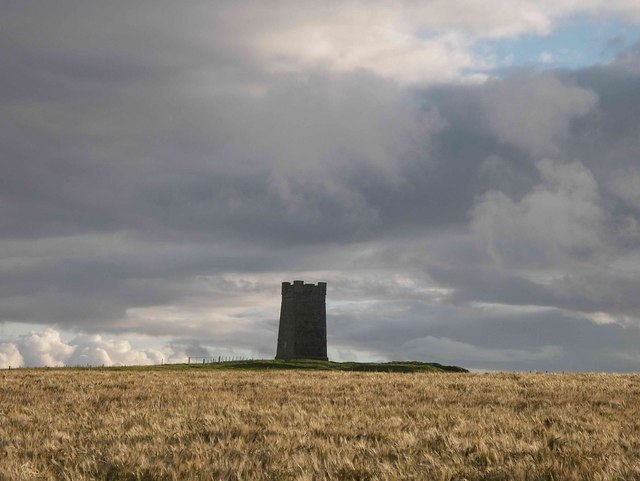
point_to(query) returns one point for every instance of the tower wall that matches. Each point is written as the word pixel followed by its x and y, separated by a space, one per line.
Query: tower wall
pixel 303 321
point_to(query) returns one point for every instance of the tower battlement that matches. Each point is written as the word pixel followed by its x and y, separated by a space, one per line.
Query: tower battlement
pixel 299 287
pixel 303 321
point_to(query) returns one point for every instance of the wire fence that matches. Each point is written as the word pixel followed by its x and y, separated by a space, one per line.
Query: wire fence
pixel 216 359
pixel 190 360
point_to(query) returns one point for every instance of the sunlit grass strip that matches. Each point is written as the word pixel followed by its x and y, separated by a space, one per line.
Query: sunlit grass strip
pixel 304 364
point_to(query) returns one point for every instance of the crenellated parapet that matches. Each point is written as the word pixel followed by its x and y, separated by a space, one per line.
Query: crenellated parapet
pixel 299 287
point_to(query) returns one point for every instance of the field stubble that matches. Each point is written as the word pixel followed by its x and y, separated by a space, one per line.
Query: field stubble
pixel 162 425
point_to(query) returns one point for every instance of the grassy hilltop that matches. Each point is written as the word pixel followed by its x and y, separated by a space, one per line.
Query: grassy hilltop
pixel 310 365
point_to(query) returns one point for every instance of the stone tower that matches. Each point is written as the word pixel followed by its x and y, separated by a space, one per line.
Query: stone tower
pixel 303 321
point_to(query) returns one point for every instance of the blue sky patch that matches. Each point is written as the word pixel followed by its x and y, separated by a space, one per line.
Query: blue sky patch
pixel 578 42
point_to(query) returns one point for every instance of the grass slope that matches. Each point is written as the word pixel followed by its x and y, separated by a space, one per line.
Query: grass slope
pixel 309 365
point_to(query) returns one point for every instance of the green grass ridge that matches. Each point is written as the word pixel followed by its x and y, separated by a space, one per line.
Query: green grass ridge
pixel 301 364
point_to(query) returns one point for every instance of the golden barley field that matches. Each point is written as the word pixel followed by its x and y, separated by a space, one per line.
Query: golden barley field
pixel 68 424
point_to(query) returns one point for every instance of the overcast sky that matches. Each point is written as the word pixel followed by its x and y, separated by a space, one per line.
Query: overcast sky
pixel 465 176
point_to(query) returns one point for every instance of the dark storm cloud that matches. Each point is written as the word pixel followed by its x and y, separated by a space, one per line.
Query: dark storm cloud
pixel 489 338
pixel 159 178
pixel 614 294
pixel 217 168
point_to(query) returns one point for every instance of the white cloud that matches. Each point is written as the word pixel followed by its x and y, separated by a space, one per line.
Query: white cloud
pixel 10 355
pixel 443 350
pixel 384 48
pixel 43 348
pixel 404 40
pixel 94 350
pixel 626 9
pixel 546 57
pixel 535 112
pixel 46 348
pixel 561 218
